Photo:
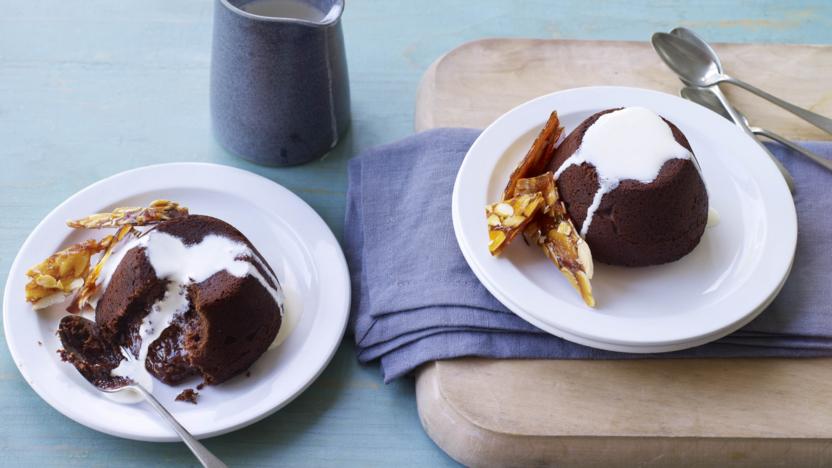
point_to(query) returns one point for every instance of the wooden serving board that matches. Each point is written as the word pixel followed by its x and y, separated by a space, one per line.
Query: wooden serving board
pixel 696 412
pixel 477 82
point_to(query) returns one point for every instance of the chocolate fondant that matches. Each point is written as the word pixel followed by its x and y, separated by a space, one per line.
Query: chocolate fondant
pixel 636 224
pixel 229 323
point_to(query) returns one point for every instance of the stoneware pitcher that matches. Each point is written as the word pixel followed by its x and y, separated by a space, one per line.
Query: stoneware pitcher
pixel 279 86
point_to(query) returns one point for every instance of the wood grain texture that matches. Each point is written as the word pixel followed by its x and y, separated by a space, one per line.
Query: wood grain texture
pixel 477 82
pixel 91 88
pixel 447 417
pixel 743 412
pixel 705 398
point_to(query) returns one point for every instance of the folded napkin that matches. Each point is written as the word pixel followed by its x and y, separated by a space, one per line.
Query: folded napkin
pixel 416 300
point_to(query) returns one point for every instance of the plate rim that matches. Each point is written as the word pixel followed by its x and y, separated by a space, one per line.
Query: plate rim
pixel 339 269
pixel 635 346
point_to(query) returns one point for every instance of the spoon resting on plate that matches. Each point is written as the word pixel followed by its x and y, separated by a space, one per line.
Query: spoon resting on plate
pixel 95 361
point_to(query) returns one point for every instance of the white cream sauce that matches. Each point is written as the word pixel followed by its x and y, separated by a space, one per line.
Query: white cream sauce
pixel 713 218
pixel 630 143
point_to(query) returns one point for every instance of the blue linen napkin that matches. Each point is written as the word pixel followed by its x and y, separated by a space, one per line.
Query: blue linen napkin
pixel 416 300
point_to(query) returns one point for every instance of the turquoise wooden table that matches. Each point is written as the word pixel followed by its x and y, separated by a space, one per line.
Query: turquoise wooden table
pixel 91 88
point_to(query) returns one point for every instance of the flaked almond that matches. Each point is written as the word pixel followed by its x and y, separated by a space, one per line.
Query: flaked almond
pixel 513 221
pixel 504 209
pixel 585 258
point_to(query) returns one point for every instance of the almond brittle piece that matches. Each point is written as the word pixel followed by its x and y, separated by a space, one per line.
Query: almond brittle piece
pixel 156 212
pixel 544 184
pixel 539 155
pixel 572 256
pixel 51 280
pixel 508 218
pixel 89 287
pixel 554 232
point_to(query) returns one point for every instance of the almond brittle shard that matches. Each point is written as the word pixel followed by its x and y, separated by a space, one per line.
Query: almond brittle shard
pixel 554 232
pixel 53 279
pixel 156 212
pixel 90 285
pixel 70 270
pixel 573 258
pixel 539 155
pixel 508 218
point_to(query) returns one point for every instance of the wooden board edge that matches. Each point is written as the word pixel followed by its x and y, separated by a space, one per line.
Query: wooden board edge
pixel 422 116
pixel 473 445
pixel 426 92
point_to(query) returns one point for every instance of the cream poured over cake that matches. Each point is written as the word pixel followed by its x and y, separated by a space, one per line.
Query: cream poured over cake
pixel 631 183
pixel 192 297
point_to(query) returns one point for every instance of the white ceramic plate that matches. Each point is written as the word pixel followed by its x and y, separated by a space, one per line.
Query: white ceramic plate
pixel 291 236
pixel 736 270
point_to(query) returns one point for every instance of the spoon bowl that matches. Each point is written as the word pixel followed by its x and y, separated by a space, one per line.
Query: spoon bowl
pixel 693 64
pixel 86 357
pixel 694 39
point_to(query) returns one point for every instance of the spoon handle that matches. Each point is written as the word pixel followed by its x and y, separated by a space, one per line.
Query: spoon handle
pixel 739 121
pixel 785 142
pixel 813 118
pixel 202 454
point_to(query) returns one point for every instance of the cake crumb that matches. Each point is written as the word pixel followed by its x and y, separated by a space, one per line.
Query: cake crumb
pixel 200 386
pixel 40 343
pixel 188 395
pixel 248 373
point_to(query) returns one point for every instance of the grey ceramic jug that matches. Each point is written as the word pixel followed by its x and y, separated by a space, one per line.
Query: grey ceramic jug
pixel 279 85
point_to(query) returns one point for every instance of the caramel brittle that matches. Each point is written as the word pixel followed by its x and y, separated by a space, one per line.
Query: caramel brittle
pixel 508 218
pixel 156 212
pixel 539 155
pixel 90 286
pixel 59 275
pixel 547 223
pixel 70 270
pixel 554 232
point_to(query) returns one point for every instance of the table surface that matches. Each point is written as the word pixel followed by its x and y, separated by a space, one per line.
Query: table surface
pixel 89 89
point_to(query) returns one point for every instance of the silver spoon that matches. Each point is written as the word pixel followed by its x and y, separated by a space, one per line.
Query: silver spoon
pixel 733 115
pixel 699 66
pixel 202 454
pixel 706 98
pixel 95 360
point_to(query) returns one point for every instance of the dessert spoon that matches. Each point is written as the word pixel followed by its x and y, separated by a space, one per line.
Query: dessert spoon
pixel 699 66
pixel 688 36
pixel 93 361
pixel 202 454
pixel 706 98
